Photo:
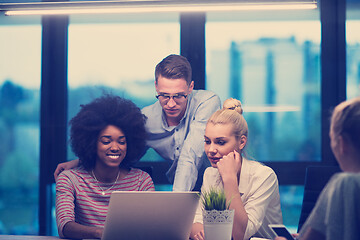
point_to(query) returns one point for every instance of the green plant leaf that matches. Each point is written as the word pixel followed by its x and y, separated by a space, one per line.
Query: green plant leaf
pixel 214 199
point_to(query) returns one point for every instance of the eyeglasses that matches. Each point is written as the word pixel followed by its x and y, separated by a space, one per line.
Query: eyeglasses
pixel 177 97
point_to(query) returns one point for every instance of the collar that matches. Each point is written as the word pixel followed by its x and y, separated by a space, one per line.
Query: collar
pixel 244 175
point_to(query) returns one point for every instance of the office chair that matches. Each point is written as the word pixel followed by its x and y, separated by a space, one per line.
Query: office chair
pixel 316 178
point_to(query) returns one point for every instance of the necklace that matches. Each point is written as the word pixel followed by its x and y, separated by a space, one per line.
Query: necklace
pixel 102 190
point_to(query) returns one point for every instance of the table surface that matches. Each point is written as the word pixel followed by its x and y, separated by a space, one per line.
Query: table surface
pixel 27 237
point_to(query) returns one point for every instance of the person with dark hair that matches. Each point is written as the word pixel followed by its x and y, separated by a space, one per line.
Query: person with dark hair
pixel 108 136
pixel 250 188
pixel 336 214
pixel 176 123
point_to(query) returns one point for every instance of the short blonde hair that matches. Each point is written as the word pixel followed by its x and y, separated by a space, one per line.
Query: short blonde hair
pixel 345 120
pixel 231 113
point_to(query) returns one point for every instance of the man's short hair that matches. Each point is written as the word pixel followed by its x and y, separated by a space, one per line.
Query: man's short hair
pixel 174 67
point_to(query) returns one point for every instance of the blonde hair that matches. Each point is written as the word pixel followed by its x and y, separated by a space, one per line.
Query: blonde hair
pixel 231 113
pixel 345 120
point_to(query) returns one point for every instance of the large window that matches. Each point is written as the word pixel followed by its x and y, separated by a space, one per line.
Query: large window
pixel 20 61
pixel 269 60
pixel 115 55
pixel 273 68
pixel 121 55
pixel 271 63
pixel 353 49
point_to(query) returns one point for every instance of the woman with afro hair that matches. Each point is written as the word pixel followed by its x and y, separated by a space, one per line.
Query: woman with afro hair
pixel 108 136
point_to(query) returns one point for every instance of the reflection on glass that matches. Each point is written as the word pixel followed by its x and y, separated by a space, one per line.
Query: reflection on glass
pixel 353 57
pixel 273 67
pixel 291 198
pixel 272 64
pixel 19 128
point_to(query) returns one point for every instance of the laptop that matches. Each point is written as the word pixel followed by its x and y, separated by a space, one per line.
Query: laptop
pixel 148 215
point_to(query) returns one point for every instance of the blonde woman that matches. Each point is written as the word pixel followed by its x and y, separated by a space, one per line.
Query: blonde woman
pixel 252 187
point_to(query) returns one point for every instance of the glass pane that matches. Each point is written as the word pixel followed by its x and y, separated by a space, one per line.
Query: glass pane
pixel 121 55
pixel 353 48
pixel 272 64
pixel 20 61
pixel 291 198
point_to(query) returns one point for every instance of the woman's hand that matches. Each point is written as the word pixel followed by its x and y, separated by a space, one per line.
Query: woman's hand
pixel 197 232
pixel 199 236
pixel 229 168
pixel 294 235
pixel 75 230
pixel 230 165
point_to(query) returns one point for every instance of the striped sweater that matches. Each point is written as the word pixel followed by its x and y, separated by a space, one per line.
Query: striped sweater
pixel 79 198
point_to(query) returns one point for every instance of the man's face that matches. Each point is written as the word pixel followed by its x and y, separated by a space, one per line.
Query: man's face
pixel 173 97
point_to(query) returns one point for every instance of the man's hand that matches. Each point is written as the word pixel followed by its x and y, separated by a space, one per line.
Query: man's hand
pixel 65 166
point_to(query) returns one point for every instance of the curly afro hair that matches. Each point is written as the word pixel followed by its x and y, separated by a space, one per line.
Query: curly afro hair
pixel 95 117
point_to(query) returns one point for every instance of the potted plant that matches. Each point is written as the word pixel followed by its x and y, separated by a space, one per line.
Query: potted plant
pixel 217 218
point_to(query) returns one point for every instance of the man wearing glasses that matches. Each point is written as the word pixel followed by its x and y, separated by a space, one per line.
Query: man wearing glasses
pixel 176 123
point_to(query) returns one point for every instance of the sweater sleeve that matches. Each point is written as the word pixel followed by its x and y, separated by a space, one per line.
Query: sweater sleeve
pixel 65 206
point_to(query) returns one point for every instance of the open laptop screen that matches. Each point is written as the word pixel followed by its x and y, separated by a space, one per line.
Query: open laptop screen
pixel 150 215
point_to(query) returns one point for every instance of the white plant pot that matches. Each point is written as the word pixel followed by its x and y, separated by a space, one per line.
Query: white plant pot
pixel 218 224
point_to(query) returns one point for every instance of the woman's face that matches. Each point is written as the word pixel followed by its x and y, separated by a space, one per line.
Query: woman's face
pixel 111 146
pixel 219 141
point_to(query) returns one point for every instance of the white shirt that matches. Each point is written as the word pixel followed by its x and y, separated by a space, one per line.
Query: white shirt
pixel 259 191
